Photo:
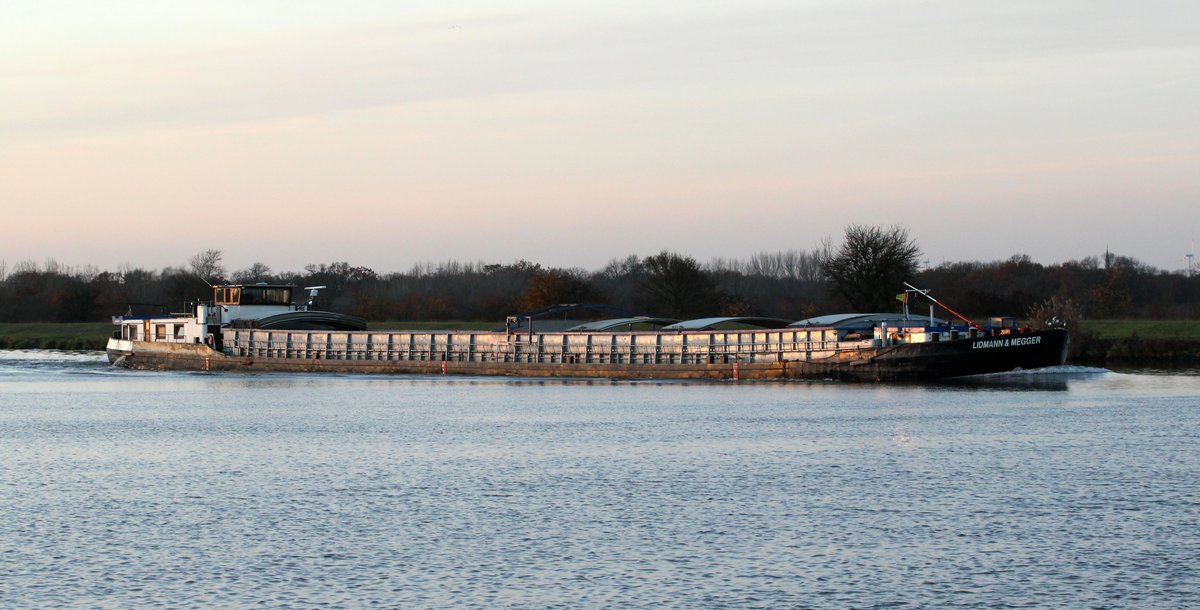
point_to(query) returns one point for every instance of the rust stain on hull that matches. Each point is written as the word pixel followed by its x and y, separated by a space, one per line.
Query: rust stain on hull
pixel 183 360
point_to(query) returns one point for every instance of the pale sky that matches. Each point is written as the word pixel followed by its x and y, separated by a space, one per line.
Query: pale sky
pixel 570 133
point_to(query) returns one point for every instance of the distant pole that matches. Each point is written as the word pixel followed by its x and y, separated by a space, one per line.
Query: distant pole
pixel 1191 259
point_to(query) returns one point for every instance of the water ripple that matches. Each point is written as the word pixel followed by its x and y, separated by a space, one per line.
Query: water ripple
pixel 173 490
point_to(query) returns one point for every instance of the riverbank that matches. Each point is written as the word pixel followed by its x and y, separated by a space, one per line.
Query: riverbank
pixel 52 335
pixel 1099 342
pixel 1134 342
pixel 94 335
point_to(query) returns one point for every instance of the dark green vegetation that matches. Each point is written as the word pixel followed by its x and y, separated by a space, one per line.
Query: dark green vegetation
pixel 1137 341
pixel 1182 330
pixel 48 335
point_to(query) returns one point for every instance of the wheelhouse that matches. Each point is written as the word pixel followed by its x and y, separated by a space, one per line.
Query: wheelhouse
pixel 255 294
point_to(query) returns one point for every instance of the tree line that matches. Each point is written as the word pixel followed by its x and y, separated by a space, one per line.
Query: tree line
pixel 861 273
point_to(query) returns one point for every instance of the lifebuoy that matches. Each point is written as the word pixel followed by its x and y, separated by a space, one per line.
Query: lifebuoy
pixel 211 341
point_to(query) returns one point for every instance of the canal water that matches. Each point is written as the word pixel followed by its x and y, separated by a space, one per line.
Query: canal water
pixel 1072 488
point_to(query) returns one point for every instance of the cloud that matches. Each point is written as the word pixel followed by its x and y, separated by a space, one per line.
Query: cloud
pixel 554 112
pixel 388 59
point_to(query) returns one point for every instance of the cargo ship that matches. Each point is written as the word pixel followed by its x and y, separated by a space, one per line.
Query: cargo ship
pixel 257 327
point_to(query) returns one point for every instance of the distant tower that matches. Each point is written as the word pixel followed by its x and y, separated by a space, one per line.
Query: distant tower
pixel 1191 259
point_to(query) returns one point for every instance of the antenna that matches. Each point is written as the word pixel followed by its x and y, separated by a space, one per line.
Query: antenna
pixel 312 294
pixel 925 293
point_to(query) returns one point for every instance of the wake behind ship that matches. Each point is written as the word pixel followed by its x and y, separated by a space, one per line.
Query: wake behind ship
pixel 258 328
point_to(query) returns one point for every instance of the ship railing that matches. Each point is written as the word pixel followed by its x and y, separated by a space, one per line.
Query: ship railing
pixel 489 347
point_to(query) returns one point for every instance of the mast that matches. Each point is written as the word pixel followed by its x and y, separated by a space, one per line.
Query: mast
pixel 925 293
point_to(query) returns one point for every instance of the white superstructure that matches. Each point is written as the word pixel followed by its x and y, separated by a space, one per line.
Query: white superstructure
pixel 204 323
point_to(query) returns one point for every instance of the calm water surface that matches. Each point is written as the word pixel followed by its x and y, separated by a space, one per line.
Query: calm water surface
pixel 118 489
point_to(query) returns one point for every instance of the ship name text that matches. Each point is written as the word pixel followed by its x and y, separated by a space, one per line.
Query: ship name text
pixel 1007 342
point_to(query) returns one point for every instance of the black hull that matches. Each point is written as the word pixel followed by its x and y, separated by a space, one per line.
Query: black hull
pixel 904 362
pixel 949 359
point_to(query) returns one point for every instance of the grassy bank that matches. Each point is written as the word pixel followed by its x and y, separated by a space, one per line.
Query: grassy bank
pixel 49 335
pixel 1186 330
pixel 1175 342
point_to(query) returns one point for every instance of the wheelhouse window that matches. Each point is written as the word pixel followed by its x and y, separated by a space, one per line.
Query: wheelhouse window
pixel 266 295
pixel 252 295
pixel 227 295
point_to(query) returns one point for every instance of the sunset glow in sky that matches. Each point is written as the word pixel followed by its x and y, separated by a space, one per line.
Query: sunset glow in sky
pixel 389 133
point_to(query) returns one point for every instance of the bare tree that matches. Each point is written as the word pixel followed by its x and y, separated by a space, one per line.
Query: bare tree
pixel 553 287
pixel 207 265
pixel 869 268
pixel 25 267
pixel 618 268
pixel 790 264
pixel 675 285
pixel 257 272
